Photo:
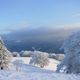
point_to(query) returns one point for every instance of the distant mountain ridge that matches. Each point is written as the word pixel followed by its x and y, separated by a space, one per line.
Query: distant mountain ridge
pixel 45 39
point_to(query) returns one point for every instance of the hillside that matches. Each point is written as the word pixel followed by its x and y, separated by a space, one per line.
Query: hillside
pixel 28 72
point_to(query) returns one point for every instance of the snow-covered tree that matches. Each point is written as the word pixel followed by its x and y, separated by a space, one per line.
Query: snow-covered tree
pixel 26 53
pixel 5 56
pixel 39 58
pixel 59 57
pixel 16 54
pixel 18 64
pixel 71 62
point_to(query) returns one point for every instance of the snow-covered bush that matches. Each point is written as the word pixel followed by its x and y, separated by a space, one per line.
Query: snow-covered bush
pixel 16 54
pixel 71 62
pixel 52 55
pixel 59 57
pixel 18 64
pixel 25 53
pixel 5 56
pixel 39 58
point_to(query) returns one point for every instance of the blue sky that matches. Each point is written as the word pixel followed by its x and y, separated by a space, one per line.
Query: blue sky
pixel 18 14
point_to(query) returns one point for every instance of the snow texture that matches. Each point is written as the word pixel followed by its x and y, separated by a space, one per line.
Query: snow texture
pixel 29 72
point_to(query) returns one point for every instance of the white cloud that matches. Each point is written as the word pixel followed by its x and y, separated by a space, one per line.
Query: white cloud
pixel 5 32
pixel 69 26
pixel 16 26
pixel 27 25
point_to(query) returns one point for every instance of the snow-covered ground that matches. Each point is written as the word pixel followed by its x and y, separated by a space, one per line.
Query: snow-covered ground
pixel 52 65
pixel 28 72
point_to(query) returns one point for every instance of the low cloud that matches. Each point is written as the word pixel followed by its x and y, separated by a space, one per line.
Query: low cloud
pixel 69 26
pixel 16 26
pixel 25 25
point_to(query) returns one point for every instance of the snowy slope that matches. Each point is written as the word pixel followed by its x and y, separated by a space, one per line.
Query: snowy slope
pixel 28 72
pixel 52 65
pixel 33 73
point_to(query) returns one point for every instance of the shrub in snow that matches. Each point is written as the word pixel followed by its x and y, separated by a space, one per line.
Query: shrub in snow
pixel 59 57
pixel 18 64
pixel 16 54
pixel 39 58
pixel 71 62
pixel 25 53
pixel 52 55
pixel 5 56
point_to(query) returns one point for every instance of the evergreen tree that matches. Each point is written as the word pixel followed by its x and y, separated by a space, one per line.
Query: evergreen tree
pixel 5 56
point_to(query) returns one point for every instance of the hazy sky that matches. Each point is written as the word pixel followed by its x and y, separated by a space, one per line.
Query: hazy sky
pixel 18 14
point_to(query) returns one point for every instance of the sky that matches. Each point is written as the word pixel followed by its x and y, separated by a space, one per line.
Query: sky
pixel 19 14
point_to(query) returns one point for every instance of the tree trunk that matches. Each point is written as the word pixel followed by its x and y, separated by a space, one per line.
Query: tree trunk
pixel 1 68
